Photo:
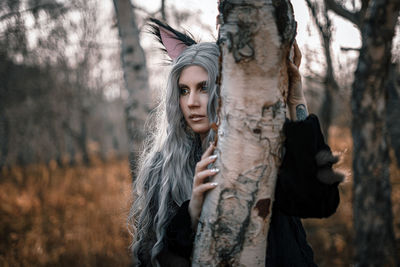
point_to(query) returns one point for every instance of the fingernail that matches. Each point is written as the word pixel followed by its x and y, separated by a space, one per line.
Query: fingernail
pixel 214 184
pixel 213 156
pixel 215 170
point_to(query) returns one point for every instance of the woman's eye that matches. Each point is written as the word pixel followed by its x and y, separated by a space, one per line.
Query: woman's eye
pixel 204 88
pixel 184 91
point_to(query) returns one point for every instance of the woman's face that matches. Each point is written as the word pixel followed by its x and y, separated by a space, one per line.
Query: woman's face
pixel 194 98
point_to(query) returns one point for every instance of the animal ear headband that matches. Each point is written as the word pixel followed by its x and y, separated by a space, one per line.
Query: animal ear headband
pixel 173 41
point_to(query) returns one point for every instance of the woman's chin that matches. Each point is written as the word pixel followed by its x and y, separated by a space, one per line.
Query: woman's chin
pixel 201 130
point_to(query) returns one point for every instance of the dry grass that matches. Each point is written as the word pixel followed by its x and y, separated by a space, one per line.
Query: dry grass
pixel 75 216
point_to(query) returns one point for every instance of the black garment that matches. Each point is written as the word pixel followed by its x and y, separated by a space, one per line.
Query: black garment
pixel 298 193
pixel 298 190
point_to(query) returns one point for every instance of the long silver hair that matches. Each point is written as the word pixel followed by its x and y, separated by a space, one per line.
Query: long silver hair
pixel 166 168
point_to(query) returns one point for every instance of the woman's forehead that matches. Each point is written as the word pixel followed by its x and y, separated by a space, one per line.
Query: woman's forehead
pixel 193 74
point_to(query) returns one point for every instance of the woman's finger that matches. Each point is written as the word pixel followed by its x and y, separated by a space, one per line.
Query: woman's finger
pixel 293 71
pixel 202 164
pixel 297 54
pixel 201 176
pixel 201 189
pixel 208 151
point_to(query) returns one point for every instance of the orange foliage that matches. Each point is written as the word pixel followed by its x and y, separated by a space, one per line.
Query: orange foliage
pixel 76 216
pixel 73 216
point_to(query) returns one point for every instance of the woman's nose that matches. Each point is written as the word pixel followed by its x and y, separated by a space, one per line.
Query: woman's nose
pixel 193 100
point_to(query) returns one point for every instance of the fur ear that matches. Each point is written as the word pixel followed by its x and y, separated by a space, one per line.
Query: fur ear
pixel 325 159
pixel 173 41
pixel 174 46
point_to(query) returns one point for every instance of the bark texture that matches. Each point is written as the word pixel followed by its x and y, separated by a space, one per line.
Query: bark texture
pixel 255 38
pixel 135 74
pixel 374 237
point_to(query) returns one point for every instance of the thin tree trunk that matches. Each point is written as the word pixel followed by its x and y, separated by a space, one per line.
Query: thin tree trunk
pixel 163 14
pixel 255 39
pixel 83 137
pixel 4 136
pixel 135 74
pixel 393 109
pixel 331 87
pixel 326 111
pixel 373 219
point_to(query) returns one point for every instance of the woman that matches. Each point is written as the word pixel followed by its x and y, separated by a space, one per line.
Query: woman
pixel 171 180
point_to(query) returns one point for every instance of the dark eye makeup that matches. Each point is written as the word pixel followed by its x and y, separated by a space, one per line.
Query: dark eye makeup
pixel 184 89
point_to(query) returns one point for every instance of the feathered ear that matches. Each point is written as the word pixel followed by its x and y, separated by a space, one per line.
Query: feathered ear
pixel 173 41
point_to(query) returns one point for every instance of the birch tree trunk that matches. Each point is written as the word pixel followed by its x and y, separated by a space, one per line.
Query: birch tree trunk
pixel 255 38
pixel 373 219
pixel 135 74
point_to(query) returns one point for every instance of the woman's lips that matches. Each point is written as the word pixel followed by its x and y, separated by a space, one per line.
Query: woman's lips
pixel 196 117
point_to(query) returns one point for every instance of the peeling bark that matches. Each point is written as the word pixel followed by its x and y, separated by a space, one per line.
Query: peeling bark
pixel 255 39
pixel 135 74
pixel 373 219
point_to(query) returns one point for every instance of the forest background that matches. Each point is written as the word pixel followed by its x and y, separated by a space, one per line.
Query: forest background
pixel 65 175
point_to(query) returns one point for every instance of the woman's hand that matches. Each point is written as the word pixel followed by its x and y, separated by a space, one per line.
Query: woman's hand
pixel 296 100
pixel 199 185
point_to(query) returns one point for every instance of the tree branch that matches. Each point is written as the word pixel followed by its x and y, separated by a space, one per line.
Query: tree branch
pixel 42 6
pixel 354 17
pixel 150 14
pixel 312 8
pixel 343 48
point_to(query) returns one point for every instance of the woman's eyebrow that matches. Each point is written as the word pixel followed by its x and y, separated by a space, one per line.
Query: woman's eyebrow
pixel 201 83
pixel 198 84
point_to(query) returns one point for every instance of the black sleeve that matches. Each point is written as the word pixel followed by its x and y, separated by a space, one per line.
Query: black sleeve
pixel 180 236
pixel 307 186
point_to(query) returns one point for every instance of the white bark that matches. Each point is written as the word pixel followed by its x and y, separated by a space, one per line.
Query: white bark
pixel 135 72
pixel 234 223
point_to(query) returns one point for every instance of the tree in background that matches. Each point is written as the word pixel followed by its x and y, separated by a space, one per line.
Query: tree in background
pixel 373 219
pixel 53 88
pixel 255 40
pixel 393 107
pixel 319 14
pixel 135 75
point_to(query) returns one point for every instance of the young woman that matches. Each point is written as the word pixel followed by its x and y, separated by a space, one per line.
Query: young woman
pixel 170 186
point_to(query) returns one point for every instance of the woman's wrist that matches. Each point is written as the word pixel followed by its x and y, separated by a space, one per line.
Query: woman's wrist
pixel 298 110
pixel 297 102
pixel 193 217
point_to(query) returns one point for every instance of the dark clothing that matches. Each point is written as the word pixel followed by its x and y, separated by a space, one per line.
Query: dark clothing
pixel 299 193
pixel 298 190
pixel 287 244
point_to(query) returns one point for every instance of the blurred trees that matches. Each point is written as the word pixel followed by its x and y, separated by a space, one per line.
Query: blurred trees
pixel 393 107
pixel 373 218
pixel 322 21
pixel 62 92
pixel 135 74
pixel 54 85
